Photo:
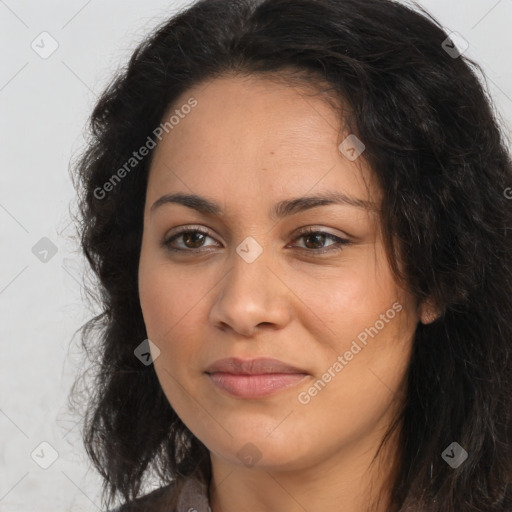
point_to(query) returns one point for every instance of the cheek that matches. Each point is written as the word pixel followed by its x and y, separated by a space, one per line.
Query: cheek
pixel 170 307
pixel 365 317
pixel 169 299
pixel 344 301
pixel 173 305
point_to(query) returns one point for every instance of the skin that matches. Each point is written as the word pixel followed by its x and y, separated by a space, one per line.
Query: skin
pixel 248 144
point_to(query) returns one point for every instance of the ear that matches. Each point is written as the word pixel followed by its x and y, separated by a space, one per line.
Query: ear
pixel 428 312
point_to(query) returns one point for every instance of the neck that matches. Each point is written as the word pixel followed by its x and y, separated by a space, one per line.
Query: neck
pixel 346 480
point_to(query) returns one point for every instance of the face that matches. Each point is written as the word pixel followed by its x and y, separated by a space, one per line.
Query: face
pixel 249 283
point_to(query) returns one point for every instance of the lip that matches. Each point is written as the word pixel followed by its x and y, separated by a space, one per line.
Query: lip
pixel 256 366
pixel 254 378
pixel 255 386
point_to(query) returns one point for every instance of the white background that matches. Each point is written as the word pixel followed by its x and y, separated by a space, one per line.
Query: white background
pixel 44 105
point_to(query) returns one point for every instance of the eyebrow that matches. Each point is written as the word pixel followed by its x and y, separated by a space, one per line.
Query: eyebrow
pixel 280 210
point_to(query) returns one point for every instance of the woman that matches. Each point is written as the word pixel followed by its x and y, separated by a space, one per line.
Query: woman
pixel 296 211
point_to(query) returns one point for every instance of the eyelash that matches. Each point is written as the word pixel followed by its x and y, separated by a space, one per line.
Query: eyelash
pixel 341 242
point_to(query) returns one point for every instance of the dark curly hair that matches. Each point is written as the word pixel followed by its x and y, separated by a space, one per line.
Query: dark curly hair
pixel 440 157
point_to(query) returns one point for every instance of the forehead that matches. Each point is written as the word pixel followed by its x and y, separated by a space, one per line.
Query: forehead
pixel 255 135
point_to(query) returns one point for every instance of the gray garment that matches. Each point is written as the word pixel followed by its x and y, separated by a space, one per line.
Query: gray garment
pixel 194 497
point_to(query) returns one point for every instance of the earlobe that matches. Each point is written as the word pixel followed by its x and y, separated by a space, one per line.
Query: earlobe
pixel 428 312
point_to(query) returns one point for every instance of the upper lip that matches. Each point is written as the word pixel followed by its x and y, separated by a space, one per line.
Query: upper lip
pixel 256 366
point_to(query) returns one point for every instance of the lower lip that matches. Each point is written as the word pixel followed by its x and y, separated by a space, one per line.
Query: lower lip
pixel 255 386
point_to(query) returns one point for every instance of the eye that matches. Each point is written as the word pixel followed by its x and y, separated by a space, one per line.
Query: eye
pixel 315 237
pixel 194 238
pixel 191 237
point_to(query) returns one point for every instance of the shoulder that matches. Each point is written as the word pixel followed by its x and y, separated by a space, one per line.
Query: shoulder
pixel 148 502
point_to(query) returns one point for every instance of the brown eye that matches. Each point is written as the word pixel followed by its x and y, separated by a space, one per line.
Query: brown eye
pixel 315 238
pixel 193 240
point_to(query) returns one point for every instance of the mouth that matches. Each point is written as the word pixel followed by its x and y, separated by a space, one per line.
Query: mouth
pixel 254 378
pixel 256 366
pixel 255 386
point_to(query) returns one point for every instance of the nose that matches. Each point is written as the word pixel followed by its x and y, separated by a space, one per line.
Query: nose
pixel 251 295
